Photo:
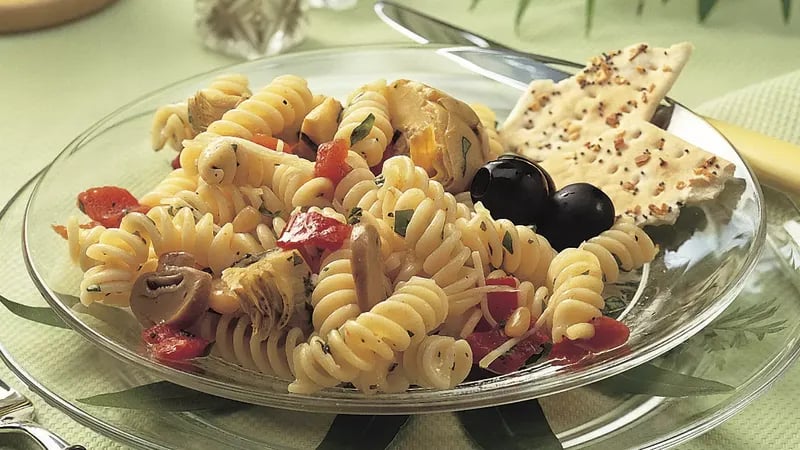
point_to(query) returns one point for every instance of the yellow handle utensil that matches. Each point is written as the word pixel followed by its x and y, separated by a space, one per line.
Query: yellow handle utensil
pixel 775 162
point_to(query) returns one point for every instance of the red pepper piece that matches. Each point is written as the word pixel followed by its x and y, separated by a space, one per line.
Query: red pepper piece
pixel 108 204
pixel 608 333
pixel 331 161
pixel 176 162
pixel 169 344
pixel 312 228
pixel 271 142
pixel 482 343
pixel 501 304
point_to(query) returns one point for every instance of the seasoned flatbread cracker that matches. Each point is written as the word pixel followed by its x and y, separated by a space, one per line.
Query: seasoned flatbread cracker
pixel 593 127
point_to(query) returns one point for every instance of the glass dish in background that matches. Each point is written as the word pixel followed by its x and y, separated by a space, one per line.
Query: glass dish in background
pixel 251 28
pixel 704 260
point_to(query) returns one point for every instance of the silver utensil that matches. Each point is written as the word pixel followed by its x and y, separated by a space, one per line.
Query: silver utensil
pixel 17 414
pixel 425 29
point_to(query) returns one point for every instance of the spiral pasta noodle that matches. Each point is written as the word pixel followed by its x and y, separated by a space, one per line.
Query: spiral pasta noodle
pixel 625 246
pixel 334 297
pixel 415 309
pixel 173 123
pixel 125 252
pixel 276 110
pixel 236 343
pixel 516 249
pixel 176 181
pixel 369 100
pixel 79 240
pixel 575 278
pixel 438 362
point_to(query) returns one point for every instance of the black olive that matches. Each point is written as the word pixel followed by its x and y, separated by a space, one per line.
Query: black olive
pixel 513 188
pixel 576 213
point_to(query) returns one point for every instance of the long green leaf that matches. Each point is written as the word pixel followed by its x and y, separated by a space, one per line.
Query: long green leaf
pixel 522 6
pixel 704 8
pixel 649 379
pixel 160 396
pixel 786 8
pixel 43 315
pixel 589 16
pixel 362 432
pixel 520 425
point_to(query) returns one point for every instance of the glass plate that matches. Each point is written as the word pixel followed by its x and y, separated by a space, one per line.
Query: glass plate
pixel 587 417
pixel 704 259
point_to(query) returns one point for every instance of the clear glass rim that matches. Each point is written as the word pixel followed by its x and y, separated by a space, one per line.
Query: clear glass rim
pixel 472 395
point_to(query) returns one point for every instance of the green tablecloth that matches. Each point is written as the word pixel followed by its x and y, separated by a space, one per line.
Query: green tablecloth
pixel 746 69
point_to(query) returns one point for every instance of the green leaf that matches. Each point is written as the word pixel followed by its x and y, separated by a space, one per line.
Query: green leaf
pixel 160 396
pixel 474 4
pixel 43 315
pixel 522 6
pixel 362 432
pixel 649 379
pixel 354 216
pixel 640 8
pixel 589 16
pixel 786 7
pixel 704 8
pixel 508 243
pixel 401 221
pixel 362 130
pixel 520 425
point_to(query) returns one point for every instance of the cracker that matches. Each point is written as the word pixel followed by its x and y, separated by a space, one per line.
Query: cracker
pixel 648 173
pixel 593 127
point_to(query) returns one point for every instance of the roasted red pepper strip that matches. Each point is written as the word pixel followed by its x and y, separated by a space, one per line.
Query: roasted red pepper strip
pixel 107 205
pixel 62 230
pixel 312 228
pixel 331 161
pixel 608 334
pixel 501 304
pixel 169 344
pixel 482 343
pixel 271 142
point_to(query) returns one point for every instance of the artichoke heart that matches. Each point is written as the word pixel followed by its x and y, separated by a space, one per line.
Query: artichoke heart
pixel 273 290
pixel 208 106
pixel 441 134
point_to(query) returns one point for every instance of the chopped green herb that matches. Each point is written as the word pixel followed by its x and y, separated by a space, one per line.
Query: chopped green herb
pixel 465 146
pixel 271 214
pixel 297 259
pixel 380 179
pixel 508 243
pixel 401 220
pixel 308 286
pixel 354 216
pixel 483 226
pixel 362 130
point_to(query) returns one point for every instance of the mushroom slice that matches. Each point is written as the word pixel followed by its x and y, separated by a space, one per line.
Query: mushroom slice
pixel 176 259
pixel 273 291
pixel 372 285
pixel 318 126
pixel 177 296
pixel 440 134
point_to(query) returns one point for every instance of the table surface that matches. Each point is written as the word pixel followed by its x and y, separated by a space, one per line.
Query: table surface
pixel 56 82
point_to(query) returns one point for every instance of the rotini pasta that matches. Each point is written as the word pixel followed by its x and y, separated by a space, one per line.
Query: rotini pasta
pixel 438 362
pixel 178 121
pixel 235 342
pixel 625 246
pixel 576 281
pixel 415 309
pixel 124 252
pixel 277 110
pixel 367 101
pixel 176 181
